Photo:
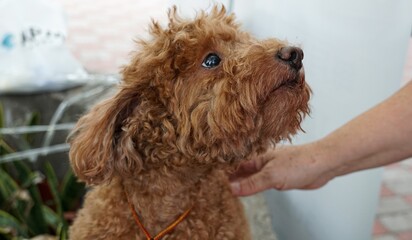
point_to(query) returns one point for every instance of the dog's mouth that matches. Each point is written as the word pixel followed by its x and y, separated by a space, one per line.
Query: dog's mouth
pixel 289 83
pixel 292 82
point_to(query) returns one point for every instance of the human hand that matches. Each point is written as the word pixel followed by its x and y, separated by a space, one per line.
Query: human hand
pixel 293 167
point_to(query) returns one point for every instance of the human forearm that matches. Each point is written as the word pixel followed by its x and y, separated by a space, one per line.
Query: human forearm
pixel 378 137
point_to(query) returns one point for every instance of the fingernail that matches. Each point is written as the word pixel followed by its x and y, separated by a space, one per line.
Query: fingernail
pixel 235 187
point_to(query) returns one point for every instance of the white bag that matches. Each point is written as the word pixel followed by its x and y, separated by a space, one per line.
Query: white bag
pixel 33 54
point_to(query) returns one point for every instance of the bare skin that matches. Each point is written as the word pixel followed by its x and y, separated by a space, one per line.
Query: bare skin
pixel 378 137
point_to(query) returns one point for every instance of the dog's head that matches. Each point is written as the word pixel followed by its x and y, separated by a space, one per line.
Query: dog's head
pixel 199 93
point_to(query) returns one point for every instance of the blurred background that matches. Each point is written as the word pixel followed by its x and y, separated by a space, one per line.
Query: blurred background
pixel 59 57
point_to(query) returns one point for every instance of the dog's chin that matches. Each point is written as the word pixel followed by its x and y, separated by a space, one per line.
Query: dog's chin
pixel 284 107
pixel 293 82
pixel 292 86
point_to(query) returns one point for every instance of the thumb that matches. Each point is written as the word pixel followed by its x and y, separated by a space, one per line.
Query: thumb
pixel 251 185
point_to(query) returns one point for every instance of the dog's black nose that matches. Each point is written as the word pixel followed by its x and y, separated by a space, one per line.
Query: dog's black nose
pixel 291 55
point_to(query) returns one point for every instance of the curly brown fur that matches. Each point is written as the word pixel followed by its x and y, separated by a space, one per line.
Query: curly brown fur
pixel 174 128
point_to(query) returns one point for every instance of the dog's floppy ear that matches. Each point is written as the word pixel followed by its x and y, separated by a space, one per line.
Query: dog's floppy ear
pixel 99 146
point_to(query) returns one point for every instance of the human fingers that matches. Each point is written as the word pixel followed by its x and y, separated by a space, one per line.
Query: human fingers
pixel 253 184
pixel 244 170
pixel 250 167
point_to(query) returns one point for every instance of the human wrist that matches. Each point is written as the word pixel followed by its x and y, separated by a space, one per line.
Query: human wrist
pixel 325 159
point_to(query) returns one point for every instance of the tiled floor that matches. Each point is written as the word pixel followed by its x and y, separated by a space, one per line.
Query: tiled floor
pixel 407 74
pixel 94 30
pixel 394 216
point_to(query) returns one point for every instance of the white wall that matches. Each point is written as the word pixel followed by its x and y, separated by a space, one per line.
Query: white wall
pixel 354 56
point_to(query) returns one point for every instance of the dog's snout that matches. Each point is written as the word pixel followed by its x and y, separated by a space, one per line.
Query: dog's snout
pixel 292 56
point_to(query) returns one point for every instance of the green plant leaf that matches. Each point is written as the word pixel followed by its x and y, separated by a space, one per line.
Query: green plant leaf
pixel 52 219
pixel 22 170
pixel 71 191
pixel 53 185
pixel 8 186
pixel 62 232
pixel 34 119
pixel 35 219
pixel 8 222
pixel 5 148
pixel 8 191
pixel 2 123
pixel 32 179
pixel 11 197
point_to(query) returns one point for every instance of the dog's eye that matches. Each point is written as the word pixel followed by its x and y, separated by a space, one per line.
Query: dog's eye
pixel 212 60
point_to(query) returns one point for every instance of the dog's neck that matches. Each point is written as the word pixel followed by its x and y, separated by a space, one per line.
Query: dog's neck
pixel 164 181
pixel 160 195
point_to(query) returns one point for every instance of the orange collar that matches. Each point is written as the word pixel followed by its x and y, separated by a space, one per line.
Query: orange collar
pixel 163 232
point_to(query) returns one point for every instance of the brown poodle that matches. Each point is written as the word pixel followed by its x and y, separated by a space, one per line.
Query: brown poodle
pixel 196 100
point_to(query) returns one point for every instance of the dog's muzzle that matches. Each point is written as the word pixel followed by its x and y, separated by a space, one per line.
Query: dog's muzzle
pixel 292 56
